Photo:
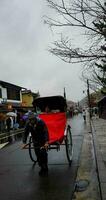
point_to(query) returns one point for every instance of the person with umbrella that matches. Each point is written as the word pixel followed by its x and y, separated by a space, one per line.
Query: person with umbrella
pixel 39 132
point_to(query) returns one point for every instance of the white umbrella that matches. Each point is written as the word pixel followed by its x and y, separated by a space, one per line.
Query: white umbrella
pixel 11 114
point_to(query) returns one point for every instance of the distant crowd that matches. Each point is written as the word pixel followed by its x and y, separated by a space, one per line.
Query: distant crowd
pixel 8 123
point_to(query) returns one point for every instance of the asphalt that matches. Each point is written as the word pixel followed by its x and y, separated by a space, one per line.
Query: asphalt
pixel 91 175
pixel 19 178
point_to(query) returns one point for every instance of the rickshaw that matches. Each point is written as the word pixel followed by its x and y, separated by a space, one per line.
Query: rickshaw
pixel 56 121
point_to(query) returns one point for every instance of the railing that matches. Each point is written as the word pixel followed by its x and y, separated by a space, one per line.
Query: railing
pixel 5 136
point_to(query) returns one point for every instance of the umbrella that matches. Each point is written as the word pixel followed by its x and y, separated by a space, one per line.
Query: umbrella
pixel 26 115
pixel 11 114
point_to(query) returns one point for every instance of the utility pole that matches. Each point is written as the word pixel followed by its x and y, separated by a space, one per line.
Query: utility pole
pixel 89 102
pixel 64 93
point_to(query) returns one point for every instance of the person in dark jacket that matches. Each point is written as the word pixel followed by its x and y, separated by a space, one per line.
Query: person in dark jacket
pixel 39 132
pixel 8 124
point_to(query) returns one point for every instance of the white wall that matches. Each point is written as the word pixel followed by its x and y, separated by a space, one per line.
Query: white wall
pixel 4 93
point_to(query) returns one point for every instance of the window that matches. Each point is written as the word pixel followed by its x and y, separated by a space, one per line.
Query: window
pixel 13 94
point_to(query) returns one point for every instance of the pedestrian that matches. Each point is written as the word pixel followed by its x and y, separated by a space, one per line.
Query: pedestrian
pixel 96 112
pixel 8 124
pixel 84 114
pixel 12 123
pixel 39 132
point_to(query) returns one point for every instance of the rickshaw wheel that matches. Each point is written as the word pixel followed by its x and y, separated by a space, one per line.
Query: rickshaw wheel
pixel 68 143
pixel 32 151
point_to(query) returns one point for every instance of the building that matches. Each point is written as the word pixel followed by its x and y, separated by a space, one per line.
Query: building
pixel 10 96
pixel 27 98
pixel 71 106
pixel 102 107
pixel 13 97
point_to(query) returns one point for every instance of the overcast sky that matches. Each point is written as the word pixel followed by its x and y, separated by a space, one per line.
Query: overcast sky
pixel 24 59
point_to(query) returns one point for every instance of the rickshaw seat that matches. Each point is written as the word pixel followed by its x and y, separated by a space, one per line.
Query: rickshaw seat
pixel 56 124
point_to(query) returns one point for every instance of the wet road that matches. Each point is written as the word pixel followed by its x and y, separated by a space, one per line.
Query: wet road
pixel 19 178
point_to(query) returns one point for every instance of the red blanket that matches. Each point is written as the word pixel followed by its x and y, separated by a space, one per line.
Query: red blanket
pixel 56 123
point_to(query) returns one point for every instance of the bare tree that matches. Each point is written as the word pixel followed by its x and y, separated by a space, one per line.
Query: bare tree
pixel 90 16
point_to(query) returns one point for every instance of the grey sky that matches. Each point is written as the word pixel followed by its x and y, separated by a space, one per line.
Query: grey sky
pixel 24 59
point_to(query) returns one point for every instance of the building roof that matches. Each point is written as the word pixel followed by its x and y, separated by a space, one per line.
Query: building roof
pixel 9 85
pixel 103 99
pixel 25 91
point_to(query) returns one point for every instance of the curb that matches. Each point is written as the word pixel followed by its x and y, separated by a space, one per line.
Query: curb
pixel 100 156
pixel 87 170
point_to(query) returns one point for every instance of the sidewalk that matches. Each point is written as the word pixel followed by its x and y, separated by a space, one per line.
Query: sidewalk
pixel 92 169
pixel 99 129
